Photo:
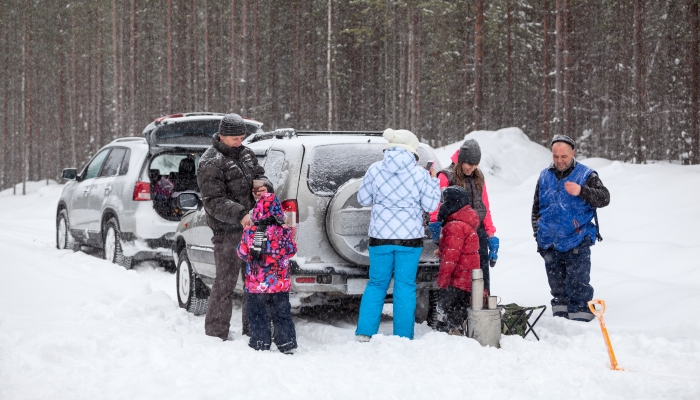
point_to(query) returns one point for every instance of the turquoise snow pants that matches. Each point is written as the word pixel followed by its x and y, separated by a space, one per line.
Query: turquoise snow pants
pixel 385 260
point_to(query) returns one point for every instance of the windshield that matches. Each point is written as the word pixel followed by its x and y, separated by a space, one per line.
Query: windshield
pixel 331 166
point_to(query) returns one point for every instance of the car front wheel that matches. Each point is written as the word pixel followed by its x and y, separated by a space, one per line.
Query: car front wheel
pixel 190 294
pixel 63 236
pixel 112 245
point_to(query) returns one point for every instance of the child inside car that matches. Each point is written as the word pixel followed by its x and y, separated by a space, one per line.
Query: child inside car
pixel 266 246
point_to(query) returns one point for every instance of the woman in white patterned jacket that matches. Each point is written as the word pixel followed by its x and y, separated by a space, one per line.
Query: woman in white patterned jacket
pixel 400 191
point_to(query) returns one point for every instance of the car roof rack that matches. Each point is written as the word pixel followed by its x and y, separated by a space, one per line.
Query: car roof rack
pixel 290 132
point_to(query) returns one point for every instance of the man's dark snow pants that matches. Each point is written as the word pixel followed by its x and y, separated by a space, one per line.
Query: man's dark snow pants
pixel 228 268
pixel 569 276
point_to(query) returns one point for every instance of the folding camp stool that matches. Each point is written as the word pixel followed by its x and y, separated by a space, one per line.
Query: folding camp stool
pixel 525 313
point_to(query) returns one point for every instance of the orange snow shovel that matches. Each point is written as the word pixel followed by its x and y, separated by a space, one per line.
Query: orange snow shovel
pixel 599 314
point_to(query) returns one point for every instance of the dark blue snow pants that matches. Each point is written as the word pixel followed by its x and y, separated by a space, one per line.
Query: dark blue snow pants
pixel 263 308
pixel 569 276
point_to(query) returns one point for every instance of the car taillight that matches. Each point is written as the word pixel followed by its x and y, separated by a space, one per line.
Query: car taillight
pixel 291 214
pixel 305 279
pixel 142 191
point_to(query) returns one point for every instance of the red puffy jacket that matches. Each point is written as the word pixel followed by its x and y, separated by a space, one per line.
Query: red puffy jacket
pixel 459 249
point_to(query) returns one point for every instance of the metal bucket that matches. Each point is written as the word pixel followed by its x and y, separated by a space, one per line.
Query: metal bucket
pixel 485 326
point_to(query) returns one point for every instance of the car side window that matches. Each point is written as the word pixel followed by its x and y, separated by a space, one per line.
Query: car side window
pixel 125 163
pixel 94 167
pixel 274 171
pixel 113 163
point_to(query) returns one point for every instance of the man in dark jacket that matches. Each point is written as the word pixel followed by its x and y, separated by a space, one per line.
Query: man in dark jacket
pixel 566 198
pixel 225 178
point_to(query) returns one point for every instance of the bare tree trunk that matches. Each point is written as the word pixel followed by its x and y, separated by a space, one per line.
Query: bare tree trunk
pixel 509 67
pixel 115 71
pixel 272 66
pixel 559 67
pixel 100 70
pixel 329 71
pixel 468 117
pixel 132 69
pixel 169 57
pixel 638 55
pixel 478 64
pixel 256 39
pixel 415 68
pixel 243 109
pixel 6 111
pixel 206 55
pixel 233 55
pixel 72 92
pixel 402 74
pixel 566 94
pixel 694 79
pixel 545 73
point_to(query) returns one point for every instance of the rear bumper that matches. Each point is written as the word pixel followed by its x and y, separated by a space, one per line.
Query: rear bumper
pixel 148 249
pixel 349 281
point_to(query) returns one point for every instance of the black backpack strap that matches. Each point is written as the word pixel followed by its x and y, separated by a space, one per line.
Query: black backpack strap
pixel 597 225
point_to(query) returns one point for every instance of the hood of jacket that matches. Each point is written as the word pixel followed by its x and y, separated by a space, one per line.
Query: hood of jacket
pixel 398 161
pixel 268 209
pixel 465 214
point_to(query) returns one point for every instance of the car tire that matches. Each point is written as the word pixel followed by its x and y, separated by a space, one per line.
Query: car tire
pixel 112 245
pixel 431 319
pixel 64 240
pixel 422 306
pixel 188 297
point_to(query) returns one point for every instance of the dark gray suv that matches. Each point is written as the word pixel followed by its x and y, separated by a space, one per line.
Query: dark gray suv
pixel 124 201
pixel 316 176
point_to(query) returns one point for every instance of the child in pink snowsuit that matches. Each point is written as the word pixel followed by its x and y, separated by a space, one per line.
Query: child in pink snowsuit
pixel 266 246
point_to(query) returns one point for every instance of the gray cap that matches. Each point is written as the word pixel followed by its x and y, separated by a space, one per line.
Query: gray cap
pixel 232 125
pixel 563 139
pixel 470 152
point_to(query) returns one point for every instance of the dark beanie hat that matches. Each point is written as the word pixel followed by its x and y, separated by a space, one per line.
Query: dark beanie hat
pixel 232 125
pixel 453 199
pixel 470 152
pixel 564 139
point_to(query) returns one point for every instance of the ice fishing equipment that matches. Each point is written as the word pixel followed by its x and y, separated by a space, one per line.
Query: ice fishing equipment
pixel 477 289
pixel 482 325
pixel 599 314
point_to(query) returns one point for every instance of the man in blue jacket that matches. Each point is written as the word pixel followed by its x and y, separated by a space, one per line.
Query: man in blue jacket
pixel 563 211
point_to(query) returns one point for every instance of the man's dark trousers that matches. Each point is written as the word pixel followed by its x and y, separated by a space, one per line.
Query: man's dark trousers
pixel 569 280
pixel 228 268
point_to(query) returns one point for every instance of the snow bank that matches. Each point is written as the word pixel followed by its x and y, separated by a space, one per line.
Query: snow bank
pixel 74 326
pixel 507 154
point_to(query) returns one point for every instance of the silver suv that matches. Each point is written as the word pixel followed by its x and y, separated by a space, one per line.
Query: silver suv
pixel 316 176
pixel 124 201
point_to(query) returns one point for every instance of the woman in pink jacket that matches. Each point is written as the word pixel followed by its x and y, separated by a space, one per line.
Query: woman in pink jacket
pixel 464 172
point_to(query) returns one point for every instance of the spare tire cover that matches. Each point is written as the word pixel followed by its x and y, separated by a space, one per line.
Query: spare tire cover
pixel 347 224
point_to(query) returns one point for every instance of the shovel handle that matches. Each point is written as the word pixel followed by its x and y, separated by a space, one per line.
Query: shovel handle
pixel 591 306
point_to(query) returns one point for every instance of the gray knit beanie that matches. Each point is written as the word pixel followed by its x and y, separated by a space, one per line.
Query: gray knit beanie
pixel 563 139
pixel 470 152
pixel 232 125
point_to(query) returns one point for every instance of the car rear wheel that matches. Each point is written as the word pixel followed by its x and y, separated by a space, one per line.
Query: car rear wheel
pixel 188 295
pixel 112 245
pixel 64 240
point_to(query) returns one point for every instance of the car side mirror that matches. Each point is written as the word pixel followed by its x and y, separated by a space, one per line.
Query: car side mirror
pixel 188 201
pixel 70 174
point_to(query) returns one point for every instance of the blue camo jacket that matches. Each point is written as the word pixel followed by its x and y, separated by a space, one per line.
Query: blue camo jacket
pixel 399 191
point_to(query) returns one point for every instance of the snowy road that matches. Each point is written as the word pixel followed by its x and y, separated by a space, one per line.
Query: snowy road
pixel 73 326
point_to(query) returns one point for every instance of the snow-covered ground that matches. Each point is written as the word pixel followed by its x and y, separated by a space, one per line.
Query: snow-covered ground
pixel 73 326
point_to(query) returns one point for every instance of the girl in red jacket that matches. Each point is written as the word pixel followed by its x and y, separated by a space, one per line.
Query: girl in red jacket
pixel 459 255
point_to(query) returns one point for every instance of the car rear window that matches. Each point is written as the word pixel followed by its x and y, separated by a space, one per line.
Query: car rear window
pixel 331 166
pixel 187 133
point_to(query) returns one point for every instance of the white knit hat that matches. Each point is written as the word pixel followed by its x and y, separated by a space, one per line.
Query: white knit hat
pixel 401 138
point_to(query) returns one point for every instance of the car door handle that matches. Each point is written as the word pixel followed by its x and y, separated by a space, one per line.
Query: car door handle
pixel 107 189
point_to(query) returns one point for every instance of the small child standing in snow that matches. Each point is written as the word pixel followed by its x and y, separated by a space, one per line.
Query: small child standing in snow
pixel 266 246
pixel 459 255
